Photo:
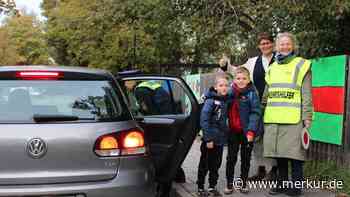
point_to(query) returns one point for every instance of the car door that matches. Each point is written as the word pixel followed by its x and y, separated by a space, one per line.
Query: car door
pixel 168 111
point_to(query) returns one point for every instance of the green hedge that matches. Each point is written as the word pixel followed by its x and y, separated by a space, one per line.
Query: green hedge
pixel 328 171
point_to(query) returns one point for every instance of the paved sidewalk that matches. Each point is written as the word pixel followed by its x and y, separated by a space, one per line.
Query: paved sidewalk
pixel 189 188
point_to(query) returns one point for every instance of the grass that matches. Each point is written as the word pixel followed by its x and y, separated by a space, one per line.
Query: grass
pixel 328 171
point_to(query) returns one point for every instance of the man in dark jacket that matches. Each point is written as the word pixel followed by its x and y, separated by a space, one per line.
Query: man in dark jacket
pixel 153 99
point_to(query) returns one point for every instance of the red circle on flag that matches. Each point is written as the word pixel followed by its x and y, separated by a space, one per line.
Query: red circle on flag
pixel 305 138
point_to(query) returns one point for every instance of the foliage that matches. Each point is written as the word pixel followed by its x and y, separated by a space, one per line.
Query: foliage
pixel 7 7
pixel 320 26
pixel 328 171
pixel 8 55
pixel 117 34
pixel 97 33
pixel 22 41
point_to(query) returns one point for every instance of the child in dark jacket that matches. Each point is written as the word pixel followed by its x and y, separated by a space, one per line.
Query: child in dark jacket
pixel 244 119
pixel 214 125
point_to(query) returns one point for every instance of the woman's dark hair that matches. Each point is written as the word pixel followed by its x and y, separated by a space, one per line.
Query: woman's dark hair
pixel 264 36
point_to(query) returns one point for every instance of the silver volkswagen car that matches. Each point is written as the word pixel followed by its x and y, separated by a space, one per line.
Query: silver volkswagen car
pixel 77 132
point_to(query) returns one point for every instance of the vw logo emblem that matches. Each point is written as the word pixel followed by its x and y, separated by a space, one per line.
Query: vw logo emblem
pixel 36 148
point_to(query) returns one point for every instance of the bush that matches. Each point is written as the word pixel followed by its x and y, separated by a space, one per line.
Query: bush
pixel 328 171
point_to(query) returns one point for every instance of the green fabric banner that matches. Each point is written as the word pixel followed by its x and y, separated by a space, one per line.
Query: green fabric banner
pixel 329 71
pixel 327 128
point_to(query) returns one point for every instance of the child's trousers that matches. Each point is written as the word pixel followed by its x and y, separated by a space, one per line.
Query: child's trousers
pixel 236 141
pixel 210 160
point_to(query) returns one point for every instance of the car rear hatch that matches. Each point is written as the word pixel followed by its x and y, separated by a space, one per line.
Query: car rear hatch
pixel 69 153
pixel 49 126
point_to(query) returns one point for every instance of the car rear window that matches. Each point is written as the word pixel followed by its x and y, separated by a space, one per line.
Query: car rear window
pixel 96 101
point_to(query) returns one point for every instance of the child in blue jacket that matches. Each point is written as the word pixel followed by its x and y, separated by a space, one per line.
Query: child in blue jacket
pixel 244 121
pixel 214 125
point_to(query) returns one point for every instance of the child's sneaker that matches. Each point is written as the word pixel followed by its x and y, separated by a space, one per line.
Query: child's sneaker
pixel 202 193
pixel 228 190
pixel 213 192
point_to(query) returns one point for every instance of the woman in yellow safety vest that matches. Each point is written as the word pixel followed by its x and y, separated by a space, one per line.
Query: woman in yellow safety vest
pixel 288 110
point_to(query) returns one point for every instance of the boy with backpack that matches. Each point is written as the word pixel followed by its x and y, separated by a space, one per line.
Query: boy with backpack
pixel 214 124
pixel 245 123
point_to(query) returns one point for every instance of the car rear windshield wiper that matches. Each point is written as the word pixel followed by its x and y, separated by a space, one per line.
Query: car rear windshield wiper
pixel 58 117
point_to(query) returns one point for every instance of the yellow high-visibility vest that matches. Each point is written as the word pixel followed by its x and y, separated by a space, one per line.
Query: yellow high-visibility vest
pixel 284 91
pixel 149 84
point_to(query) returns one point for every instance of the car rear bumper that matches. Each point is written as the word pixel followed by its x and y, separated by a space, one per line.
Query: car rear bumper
pixel 135 178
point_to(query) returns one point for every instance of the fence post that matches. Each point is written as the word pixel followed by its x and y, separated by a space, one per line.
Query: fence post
pixel 346 134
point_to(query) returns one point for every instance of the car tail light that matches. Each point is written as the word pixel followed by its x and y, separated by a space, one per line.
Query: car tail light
pixel 130 142
pixel 108 142
pixel 133 143
pixel 134 140
pixel 107 146
pixel 38 75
